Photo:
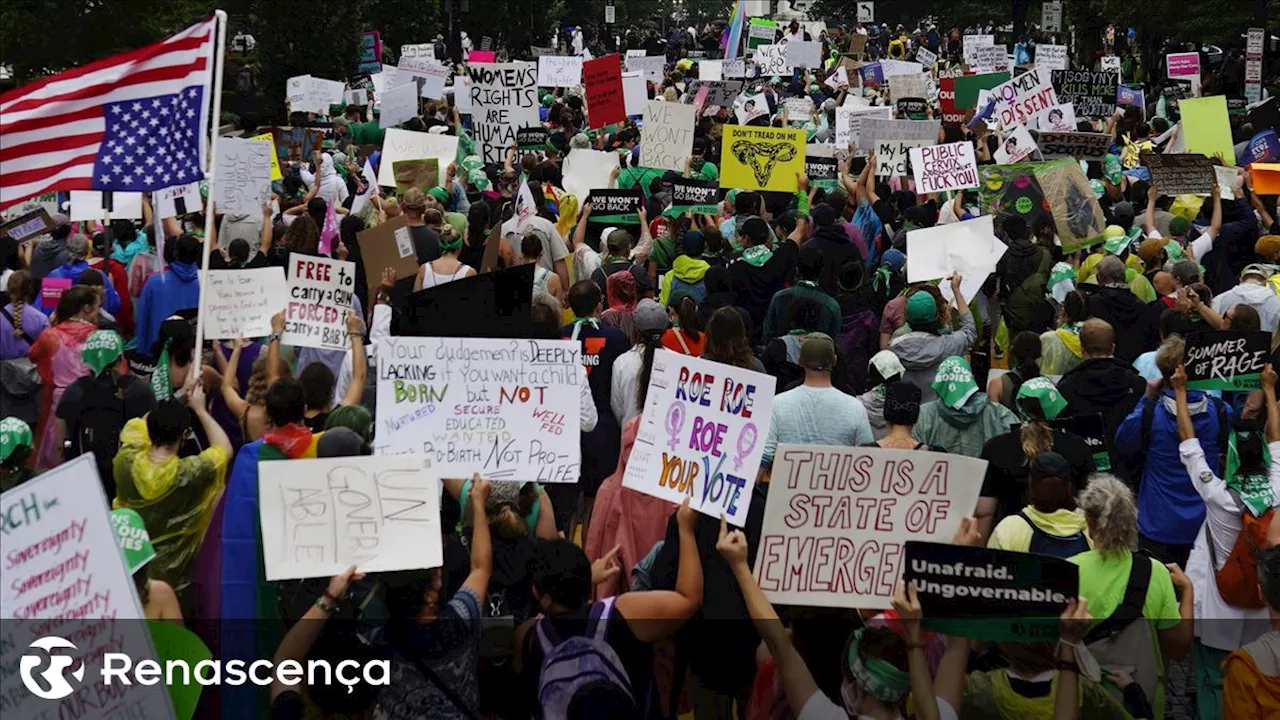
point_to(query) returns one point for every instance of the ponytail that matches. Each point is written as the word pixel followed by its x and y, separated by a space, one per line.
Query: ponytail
pixel 652 341
pixel 687 312
pixel 20 293
pixel 1037 437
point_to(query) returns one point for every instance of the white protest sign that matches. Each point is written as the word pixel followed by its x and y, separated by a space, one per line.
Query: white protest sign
pixel 1051 57
pixel 504 98
pixel 798 109
pixel 507 409
pixel 321 291
pixel 889 66
pixel 849 121
pixel 400 144
pixel 837 518
pixel 1228 179
pixel 299 93
pixel 1059 118
pixel 750 107
pixel 166 200
pixel 240 303
pixel 461 91
pixel 735 68
pixel 701 435
pixel 666 139
pixel 559 71
pixel 635 52
pixel 650 66
pixel 92 205
pixel 586 170
pixel 772 60
pixel 357 96
pixel 906 86
pixel 433 74
pixel 711 70
pixel 838 79
pixel 66 590
pixel 938 168
pixel 243 176
pixel 1016 146
pixel 803 53
pixel 321 516
pixel 926 57
pixel 1024 97
pixel 988 58
pixel 397 105
pixel 1110 63
pixel 943 250
pixel 893 157
pixel 874 129
pixel 418 50
pixel 327 92
pixel 980 40
pixel 635 93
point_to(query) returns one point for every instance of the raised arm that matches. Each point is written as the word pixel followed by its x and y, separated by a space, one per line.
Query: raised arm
pixel 656 614
pixel 359 361
pixel 230 386
pixel 264 240
pixel 580 232
pixel 481 549
pixel 298 641
pixel 212 430
pixel 1205 310
pixel 1149 219
pixel 273 348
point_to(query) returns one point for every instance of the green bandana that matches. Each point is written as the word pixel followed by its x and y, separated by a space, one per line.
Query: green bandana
pixel 133 538
pixel 1062 280
pixel 954 382
pixel 478 179
pixel 14 434
pixel 1041 389
pixel 1116 244
pixel 1174 249
pixel 1254 490
pixel 756 255
pixel 879 678
pixel 161 382
pixel 1111 169
pixel 472 162
pixel 102 350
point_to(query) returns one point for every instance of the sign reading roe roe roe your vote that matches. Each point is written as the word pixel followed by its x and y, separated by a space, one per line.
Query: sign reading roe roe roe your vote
pixel 507 409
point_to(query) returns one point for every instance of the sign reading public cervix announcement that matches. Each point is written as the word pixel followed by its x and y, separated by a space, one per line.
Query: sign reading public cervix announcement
pixel 1227 359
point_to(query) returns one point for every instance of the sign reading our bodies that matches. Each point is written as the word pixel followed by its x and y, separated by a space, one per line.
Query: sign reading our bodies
pixel 321 291
pixel 507 409
pixel 760 158
pixel 1092 93
pixel 504 98
pixel 837 519
pixel 1227 359
pixel 701 435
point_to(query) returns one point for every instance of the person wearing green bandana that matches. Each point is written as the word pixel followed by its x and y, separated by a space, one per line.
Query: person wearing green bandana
pixel 925 346
pixel 962 419
pixel 16 446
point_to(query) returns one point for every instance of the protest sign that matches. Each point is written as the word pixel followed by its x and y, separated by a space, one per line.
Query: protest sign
pixel 750 107
pixel 27 225
pixel 872 75
pixel 893 157
pixel 559 71
pixel 1206 128
pixel 586 170
pixel 482 57
pixel 321 292
pixel 761 31
pixel 968 248
pixel 666 139
pixel 1183 174
pixel 1059 118
pixel 649 66
pixel 51 290
pixel 911 108
pixel 94 204
pixel 837 518
pixel 989 59
pixel 504 98
pixel 1227 359
pixel 418 50
pixel 319 517
pixel 1051 57
pixel 926 57
pixel 507 409
pixel 772 60
pixel 968 86
pixel 1016 146
pixel 1109 63
pixel 616 207
pixel 1184 66
pixel 67 593
pixel 1093 94
pixel 240 303
pixel 400 144
pixel 1024 97
pixel 243 176
pixel 370 52
pixel 1093 432
pixel 1083 146
pixel 874 130
pixel 759 158
pixel 798 110
pixel 602 78
pixel 803 54
pixel 275 159
pixel 939 168
pixel 1058 188
pixel 1266 178
pixel 906 86
pixel 698 414
pixel 1128 97
pixel 735 68
pixel 532 138
pixel 421 174
pixel 696 196
pixel 823 171
pixel 398 105
pixel 951 115
pixel 493 304
pixel 723 93
pixel 838 79
pixel 990 594
pixel 388 244
pixel 177 200
pixel 711 70
pixel 635 92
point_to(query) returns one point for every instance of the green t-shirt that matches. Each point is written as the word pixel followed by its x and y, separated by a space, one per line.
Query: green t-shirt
pixel 1104 578
pixel 366 133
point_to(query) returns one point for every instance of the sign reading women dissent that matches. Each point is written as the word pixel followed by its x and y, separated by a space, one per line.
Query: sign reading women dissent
pixel 837 519
pixel 320 517
pixel 504 98
pixel 62 562
pixel 1024 97
pixel 507 409
pixel 321 291
pixel 240 303
pixel 701 435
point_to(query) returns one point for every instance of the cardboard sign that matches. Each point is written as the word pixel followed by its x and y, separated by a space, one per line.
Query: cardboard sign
pixel 422 174
pixel 504 98
pixel 616 207
pixel 240 303
pixel 1186 174
pixel 1093 94
pixel 650 66
pixel 28 225
pixel 1227 359
pixel 61 564
pixel 389 244
pixel 938 168
pixel 697 196
pixel 1051 57
pixel 772 60
pixel 1206 128
pixel 603 80
pixel 666 139
pixel 559 71
pixel 507 409
pixel 532 138
pixel 990 594
pixel 319 517
pixel 1016 146
pixel 804 54
pixel 400 144
pixel 1023 98
pixel 1082 146
pixel 698 416
pixel 321 292
pixel 837 519
pixel 756 158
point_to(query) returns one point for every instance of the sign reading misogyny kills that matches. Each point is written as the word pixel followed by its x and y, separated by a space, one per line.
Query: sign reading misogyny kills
pixel 504 98
pixel 760 158
pixel 319 517
pixel 701 435
pixel 66 590
pixel 945 167
pixel 1092 93
pixel 321 291
pixel 667 138
pixel 1227 359
pixel 837 518
pixel 1024 97
pixel 240 303
pixel 507 409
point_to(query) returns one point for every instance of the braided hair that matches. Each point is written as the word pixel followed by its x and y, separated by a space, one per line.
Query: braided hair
pixel 21 290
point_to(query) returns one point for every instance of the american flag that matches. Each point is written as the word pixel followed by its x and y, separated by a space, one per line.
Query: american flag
pixel 131 122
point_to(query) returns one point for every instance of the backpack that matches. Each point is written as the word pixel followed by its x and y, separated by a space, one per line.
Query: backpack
pixel 1148 416
pixel 141 268
pixel 1124 640
pixel 575 662
pixel 97 427
pixel 1058 546
pixel 20 381
pixel 1237 580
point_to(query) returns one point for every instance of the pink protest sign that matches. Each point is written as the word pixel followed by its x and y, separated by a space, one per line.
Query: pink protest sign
pixel 51 290
pixel 482 56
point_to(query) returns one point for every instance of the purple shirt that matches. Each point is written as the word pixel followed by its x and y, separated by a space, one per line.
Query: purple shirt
pixel 34 322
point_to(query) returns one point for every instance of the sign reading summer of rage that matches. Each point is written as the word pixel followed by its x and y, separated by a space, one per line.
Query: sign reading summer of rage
pixel 701 435
pixel 1227 359
pixel 837 519
pixel 761 158
pixel 507 409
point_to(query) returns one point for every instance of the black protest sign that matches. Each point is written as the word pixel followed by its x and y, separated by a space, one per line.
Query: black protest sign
pixel 1265 115
pixel 697 196
pixel 1078 145
pixel 1176 89
pixel 1185 174
pixel 28 225
pixel 616 207
pixel 1227 359
pixel 990 594
pixel 912 108
pixel 1237 105
pixel 1093 93
pixel 823 173
pixel 1090 429
pixel 490 305
pixel 532 138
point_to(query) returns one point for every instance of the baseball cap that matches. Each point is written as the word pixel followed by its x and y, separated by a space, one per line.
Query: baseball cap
pixel 817 352
pixel 651 316
pixel 414 198
pixel 78 246
pixel 1151 248
pixel 1051 464
pixel 60 220
pixel 1255 270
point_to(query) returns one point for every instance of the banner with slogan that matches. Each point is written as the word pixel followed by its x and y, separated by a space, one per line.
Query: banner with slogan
pixel 507 409
pixel 912 108
pixel 240 303
pixel 321 516
pixel 823 171
pixel 1056 188
pixel 602 80
pixel 1180 174
pixel 666 139
pixel 616 207
pixel 321 293
pixel 837 519
pixel 699 415
pixel 701 197
pixel 1092 92
pixel 759 158
pixel 938 168
pixel 504 98
pixel 532 138
pixel 893 157
pixel 1227 359
pixel 1082 146
pixel 1024 97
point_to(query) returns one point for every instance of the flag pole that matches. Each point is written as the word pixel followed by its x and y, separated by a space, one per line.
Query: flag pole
pixel 219 54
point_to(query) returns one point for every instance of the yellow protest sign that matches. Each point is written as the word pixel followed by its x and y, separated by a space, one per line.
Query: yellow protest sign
pixel 1206 128
pixel 761 158
pixel 275 158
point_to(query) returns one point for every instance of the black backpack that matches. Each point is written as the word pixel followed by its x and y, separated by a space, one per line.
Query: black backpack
pixel 96 428
pixel 1043 543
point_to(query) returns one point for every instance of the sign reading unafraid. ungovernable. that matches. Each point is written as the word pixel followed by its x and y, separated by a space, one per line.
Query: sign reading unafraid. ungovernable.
pixel 1227 359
